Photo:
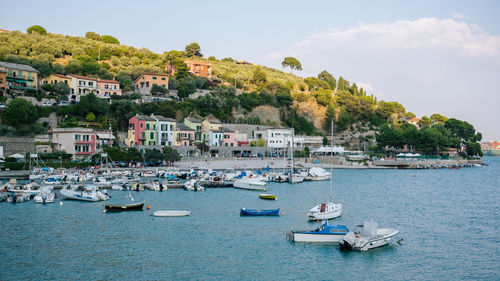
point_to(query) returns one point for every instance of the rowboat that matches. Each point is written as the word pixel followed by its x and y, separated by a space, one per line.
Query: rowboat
pixel 255 212
pixel 171 213
pixel 124 207
pixel 266 196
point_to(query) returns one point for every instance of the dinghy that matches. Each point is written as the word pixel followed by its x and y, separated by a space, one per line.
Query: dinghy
pixel 124 207
pixel 369 237
pixel 267 196
pixel 255 212
pixel 171 213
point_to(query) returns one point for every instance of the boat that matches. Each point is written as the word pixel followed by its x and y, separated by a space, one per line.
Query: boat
pixel 18 197
pixel 328 210
pixel 324 234
pixel 255 212
pixel 124 207
pixel 171 213
pixel 252 184
pixel 47 195
pixel 294 177
pixel 318 174
pixel 28 188
pixel 192 185
pixel 267 196
pixel 369 237
pixel 89 193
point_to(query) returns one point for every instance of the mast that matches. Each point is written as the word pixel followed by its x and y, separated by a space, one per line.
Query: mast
pixel 293 160
pixel 331 163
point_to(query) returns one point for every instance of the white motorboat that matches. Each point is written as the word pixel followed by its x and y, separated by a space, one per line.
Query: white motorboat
pixel 324 234
pixel 192 185
pixel 252 184
pixel 47 195
pixel 318 174
pixel 89 193
pixel 28 188
pixel 369 237
pixel 328 210
pixel 295 178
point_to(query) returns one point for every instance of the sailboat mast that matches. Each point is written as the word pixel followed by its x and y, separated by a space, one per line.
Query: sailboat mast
pixel 331 162
pixel 293 160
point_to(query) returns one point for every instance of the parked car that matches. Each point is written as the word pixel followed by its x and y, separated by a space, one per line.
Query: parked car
pixel 47 103
pixel 64 103
pixel 252 155
pixel 274 154
pixel 260 155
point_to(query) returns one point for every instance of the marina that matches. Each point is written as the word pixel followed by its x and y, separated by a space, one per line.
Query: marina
pixel 442 201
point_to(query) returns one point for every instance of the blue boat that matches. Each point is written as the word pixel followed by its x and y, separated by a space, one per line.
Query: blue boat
pixel 255 212
pixel 326 233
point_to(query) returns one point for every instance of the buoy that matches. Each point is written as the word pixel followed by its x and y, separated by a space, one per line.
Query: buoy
pixel 104 211
pixel 414 176
pixel 148 207
pixel 61 203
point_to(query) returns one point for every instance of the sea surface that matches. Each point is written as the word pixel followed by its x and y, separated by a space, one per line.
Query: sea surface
pixel 449 220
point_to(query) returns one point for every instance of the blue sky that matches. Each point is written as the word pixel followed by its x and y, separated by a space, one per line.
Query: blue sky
pixel 432 56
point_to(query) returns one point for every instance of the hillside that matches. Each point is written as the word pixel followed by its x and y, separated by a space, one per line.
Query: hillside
pixel 239 91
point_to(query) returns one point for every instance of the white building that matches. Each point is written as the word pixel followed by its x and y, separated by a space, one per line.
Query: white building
pixel 165 128
pixel 279 138
pixel 215 138
pixel 81 142
pixel 81 86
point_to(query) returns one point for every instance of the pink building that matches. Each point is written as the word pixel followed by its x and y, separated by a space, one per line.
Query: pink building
pixel 137 130
pixel 229 138
pixel 108 88
pixel 184 136
pixel 81 142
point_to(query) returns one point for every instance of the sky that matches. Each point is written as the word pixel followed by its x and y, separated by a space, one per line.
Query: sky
pixel 431 56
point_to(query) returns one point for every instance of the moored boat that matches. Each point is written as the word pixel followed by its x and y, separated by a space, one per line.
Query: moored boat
pixel 267 196
pixel 171 213
pixel 252 184
pixel 324 234
pixel 256 212
pixel 89 193
pixel 369 237
pixel 124 207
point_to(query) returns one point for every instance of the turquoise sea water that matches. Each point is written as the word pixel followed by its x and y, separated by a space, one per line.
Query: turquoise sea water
pixel 449 220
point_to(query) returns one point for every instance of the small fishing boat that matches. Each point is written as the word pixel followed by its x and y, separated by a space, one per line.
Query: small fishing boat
pixel 324 234
pixel 252 184
pixel 89 193
pixel 256 212
pixel 47 195
pixel 369 237
pixel 267 196
pixel 124 207
pixel 192 185
pixel 171 213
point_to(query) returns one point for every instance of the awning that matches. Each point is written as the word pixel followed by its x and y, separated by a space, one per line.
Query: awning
pixel 106 136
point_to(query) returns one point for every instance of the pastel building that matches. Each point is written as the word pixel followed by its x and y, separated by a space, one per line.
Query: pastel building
pixel 199 68
pixel 55 78
pixel 141 131
pixel 3 81
pixel 165 128
pixel 195 124
pixel 145 82
pixel 20 76
pixel 108 88
pixel 414 122
pixel 81 86
pixel 81 142
pixel 229 138
pixel 279 137
pixel 184 136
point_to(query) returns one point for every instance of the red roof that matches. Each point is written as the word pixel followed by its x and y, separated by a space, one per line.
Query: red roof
pixel 109 81
pixel 82 77
pixel 413 120
pixel 60 75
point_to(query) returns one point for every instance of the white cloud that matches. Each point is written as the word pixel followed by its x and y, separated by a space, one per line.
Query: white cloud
pixel 429 65
pixel 458 16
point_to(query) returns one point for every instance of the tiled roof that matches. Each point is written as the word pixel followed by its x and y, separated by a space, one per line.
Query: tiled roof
pixel 182 127
pixel 108 81
pixel 82 77
pixel 413 120
pixel 162 118
pixel 144 118
pixel 60 75
pixel 193 120
pixel 18 66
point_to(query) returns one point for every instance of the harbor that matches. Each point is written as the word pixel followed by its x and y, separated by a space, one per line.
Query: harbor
pixel 215 230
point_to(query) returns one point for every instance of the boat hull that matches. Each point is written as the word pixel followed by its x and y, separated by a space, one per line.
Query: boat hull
pixel 317 213
pixel 268 196
pixel 172 213
pixel 250 185
pixel 316 238
pixel 382 238
pixel 124 207
pixel 254 212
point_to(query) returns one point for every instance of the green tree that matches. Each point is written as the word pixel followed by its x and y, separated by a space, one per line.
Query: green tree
pixel 193 49
pixel 171 155
pixel 341 84
pixel 323 97
pixel 425 122
pixel 259 75
pixel 284 99
pixel 73 67
pixel 133 154
pixel 473 149
pixel 261 142
pixel 328 78
pixel 291 62
pixel 153 155
pixel 228 59
pixel 19 112
pixel 315 83
pixel 109 39
pixel 61 89
pixel 187 86
pixel 93 36
pixel 437 118
pixel 410 115
pixel 91 103
pixel 36 28
pixel 90 117
pixel 158 90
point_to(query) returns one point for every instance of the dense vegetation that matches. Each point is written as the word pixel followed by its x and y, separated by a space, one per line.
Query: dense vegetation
pixel 236 86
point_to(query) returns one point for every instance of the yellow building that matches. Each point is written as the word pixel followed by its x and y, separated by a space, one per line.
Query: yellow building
pixel 53 79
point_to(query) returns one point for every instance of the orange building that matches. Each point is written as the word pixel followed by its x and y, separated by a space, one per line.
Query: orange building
pixel 199 68
pixel 3 81
pixel 145 82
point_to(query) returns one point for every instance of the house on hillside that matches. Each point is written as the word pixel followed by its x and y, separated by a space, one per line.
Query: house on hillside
pixel 81 86
pixel 20 76
pixel 195 124
pixel 3 81
pixel 165 130
pixel 81 142
pixel 414 122
pixel 108 88
pixel 141 131
pixel 145 82
pixel 199 68
pixel 184 136
pixel 55 78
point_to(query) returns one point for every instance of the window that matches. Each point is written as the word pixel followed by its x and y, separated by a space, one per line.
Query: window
pixel 154 77
pixel 231 144
pixel 85 148
pixel 105 86
pixel 141 125
pixel 77 148
pixel 91 84
pixel 66 82
pixel 152 135
pixel 147 126
pixel 163 78
pixel 77 137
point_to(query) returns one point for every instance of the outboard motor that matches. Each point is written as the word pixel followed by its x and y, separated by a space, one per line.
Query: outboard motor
pixel 348 242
